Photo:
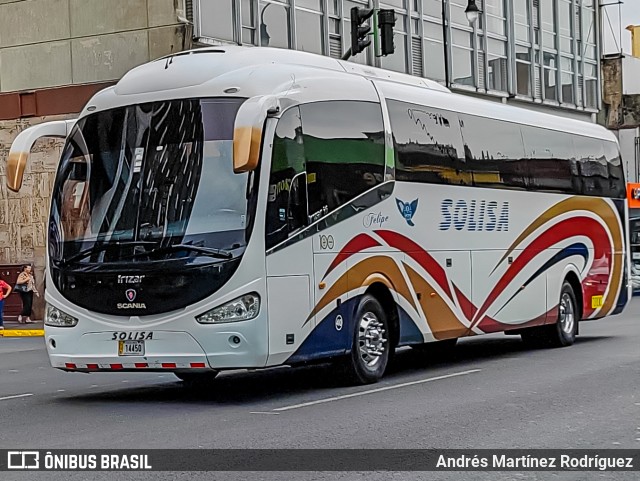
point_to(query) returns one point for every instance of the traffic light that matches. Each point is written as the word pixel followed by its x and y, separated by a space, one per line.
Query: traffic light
pixel 386 22
pixel 359 32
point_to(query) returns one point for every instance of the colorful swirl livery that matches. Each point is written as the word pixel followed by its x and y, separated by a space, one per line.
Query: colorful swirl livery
pixel 588 230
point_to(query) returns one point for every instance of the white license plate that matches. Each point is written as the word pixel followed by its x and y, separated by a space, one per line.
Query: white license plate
pixel 130 348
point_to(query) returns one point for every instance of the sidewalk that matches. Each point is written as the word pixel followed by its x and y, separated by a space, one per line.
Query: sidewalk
pixel 14 329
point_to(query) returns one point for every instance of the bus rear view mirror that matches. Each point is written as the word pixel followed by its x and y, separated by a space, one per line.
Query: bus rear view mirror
pixel 247 131
pixel 21 148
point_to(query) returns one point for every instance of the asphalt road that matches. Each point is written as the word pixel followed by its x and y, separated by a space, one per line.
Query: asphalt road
pixel 492 392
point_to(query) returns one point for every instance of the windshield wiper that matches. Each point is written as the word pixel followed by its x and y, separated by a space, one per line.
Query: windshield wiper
pixel 101 248
pixel 207 251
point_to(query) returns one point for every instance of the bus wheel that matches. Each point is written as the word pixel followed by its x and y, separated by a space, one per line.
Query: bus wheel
pixel 563 331
pixel 197 379
pixel 371 347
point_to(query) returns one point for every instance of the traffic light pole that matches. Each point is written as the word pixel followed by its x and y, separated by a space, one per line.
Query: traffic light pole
pixel 376 34
pixel 382 31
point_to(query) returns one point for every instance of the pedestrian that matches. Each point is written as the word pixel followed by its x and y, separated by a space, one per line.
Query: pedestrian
pixel 3 287
pixel 26 287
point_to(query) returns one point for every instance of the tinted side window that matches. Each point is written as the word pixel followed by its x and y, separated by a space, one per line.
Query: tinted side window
pixel 591 166
pixel 551 159
pixel 344 152
pixel 494 152
pixel 616 185
pixel 428 144
pixel 287 161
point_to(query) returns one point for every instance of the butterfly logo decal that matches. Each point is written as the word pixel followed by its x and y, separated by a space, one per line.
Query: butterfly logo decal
pixel 407 210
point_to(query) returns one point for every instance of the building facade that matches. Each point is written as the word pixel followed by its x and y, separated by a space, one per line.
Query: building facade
pixel 542 53
pixel 54 55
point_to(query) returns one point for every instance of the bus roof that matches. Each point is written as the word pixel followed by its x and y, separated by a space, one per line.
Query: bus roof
pixel 234 71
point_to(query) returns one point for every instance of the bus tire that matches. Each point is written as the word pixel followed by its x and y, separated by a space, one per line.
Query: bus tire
pixel 371 346
pixel 562 332
pixel 197 380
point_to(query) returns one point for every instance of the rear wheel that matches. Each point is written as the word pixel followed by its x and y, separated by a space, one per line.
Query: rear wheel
pixel 197 379
pixel 371 346
pixel 563 331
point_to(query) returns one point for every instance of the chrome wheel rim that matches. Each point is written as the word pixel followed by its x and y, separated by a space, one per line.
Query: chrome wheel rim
pixel 372 342
pixel 567 317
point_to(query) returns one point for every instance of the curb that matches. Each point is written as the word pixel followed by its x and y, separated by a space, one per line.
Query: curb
pixel 22 333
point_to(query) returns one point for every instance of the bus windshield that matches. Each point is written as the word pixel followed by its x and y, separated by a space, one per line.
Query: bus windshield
pixel 150 182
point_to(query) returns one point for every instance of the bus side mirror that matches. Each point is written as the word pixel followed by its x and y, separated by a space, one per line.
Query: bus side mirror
pixel 22 144
pixel 247 131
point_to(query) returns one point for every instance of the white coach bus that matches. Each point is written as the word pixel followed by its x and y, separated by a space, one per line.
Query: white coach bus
pixel 234 207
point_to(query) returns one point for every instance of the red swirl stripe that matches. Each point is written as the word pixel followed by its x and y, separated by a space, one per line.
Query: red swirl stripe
pixel 584 226
pixel 418 254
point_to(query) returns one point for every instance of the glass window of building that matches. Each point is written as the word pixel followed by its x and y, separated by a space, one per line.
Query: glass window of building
pixel 434 51
pixel 462 61
pixel 216 20
pixel 248 22
pixel 456 12
pixel 433 8
pixel 591 85
pixel 309 28
pixel 496 76
pixel 567 77
pixel 274 25
pixel 495 16
pixel 564 25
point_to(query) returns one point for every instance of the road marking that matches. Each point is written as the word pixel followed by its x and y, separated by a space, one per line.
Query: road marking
pixel 380 389
pixel 264 412
pixel 13 370
pixel 15 396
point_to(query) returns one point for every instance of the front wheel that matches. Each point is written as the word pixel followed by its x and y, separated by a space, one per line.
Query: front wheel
pixel 371 346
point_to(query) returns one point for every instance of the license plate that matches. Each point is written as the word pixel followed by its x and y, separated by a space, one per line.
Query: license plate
pixel 130 348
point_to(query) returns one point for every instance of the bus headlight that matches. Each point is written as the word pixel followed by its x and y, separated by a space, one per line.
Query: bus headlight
pixel 240 309
pixel 56 317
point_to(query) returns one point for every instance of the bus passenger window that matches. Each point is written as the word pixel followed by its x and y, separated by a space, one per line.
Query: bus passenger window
pixel 494 152
pixel 344 152
pixel 551 160
pixel 428 144
pixel 616 186
pixel 287 161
